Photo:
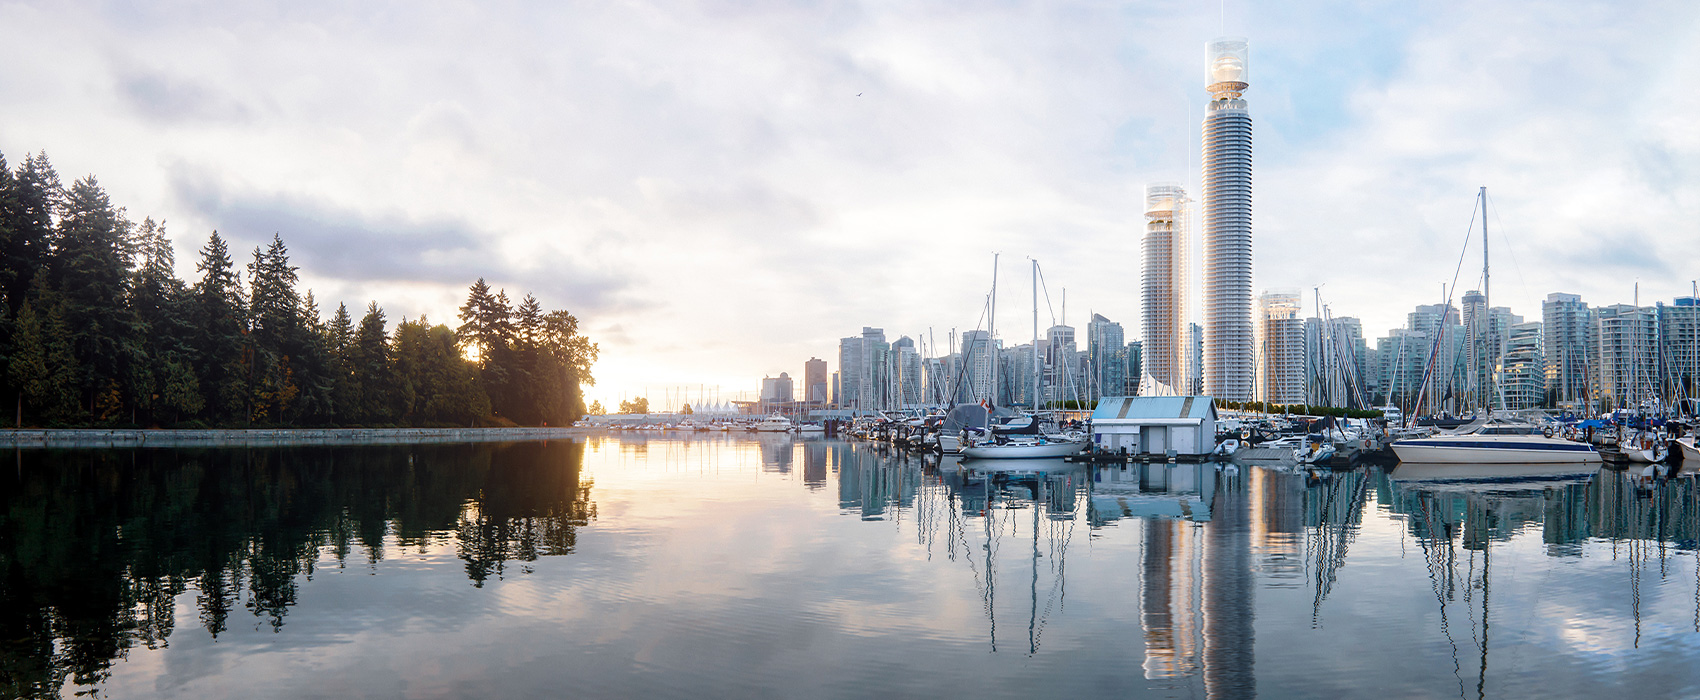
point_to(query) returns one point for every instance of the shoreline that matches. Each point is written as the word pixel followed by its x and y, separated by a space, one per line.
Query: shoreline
pixel 270 437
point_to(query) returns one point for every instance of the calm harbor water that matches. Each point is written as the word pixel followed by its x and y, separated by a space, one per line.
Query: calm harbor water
pixel 733 566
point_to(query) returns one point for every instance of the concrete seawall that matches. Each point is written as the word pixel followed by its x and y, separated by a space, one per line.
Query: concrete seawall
pixel 96 438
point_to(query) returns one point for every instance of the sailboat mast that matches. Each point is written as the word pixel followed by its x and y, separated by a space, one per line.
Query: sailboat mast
pixel 1487 306
pixel 1035 338
pixel 992 334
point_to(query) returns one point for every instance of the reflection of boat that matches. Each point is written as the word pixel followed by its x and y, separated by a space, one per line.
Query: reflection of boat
pixel 1031 465
pixel 1494 473
pixel 1495 443
pixel 1032 448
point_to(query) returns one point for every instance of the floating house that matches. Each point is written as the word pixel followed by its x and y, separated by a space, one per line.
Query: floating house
pixel 1179 426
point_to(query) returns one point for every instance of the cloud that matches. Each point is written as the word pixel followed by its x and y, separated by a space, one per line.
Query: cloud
pixel 343 243
pixel 753 181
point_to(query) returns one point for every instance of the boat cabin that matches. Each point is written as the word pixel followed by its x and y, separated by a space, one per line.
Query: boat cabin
pixel 1155 425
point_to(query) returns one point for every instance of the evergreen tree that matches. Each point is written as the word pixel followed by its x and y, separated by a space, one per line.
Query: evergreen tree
pixel 371 359
pixel 220 332
pixel 28 202
pixel 439 386
pixel 345 386
pixel 90 271
pixel 43 366
pixel 160 304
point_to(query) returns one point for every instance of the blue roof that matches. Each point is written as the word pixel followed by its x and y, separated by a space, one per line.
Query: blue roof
pixel 1124 407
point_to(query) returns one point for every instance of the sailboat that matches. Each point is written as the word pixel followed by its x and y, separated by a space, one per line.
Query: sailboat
pixel 1494 441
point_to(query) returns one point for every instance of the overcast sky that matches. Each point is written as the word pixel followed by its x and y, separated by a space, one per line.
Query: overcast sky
pixel 721 190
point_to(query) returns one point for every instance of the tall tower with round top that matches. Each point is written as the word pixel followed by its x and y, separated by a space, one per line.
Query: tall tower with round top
pixel 1227 223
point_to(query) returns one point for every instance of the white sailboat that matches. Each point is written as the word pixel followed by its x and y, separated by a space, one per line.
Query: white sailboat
pixel 1494 442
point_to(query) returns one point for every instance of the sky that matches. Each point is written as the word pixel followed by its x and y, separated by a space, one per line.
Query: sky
pixel 721 190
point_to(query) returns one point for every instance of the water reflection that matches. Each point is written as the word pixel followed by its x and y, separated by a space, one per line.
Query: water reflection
pixel 95 546
pixel 732 565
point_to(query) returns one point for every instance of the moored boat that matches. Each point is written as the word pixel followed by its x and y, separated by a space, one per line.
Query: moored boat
pixel 1495 444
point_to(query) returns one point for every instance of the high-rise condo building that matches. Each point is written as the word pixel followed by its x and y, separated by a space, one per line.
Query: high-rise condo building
pixel 979 355
pixel 1105 358
pixel 1280 335
pixel 1163 283
pixel 1227 224
pixel 1567 347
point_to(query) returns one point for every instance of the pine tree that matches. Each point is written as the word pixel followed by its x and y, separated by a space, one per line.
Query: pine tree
pixel 160 303
pixel 90 271
pixel 43 366
pixel 372 368
pixel 28 202
pixel 345 386
pixel 219 334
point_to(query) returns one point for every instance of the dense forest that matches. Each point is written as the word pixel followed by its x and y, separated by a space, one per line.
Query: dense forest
pixel 97 329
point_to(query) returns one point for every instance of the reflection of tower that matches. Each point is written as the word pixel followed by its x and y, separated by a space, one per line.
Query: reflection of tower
pixel 1172 598
pixel 1227 225
pixel 1228 590
pixel 1277 512
pixel 1163 284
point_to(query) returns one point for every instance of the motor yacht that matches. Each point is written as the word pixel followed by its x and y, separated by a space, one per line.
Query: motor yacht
pixel 1495 443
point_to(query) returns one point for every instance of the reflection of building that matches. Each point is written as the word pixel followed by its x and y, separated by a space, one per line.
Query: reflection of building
pixel 1171 595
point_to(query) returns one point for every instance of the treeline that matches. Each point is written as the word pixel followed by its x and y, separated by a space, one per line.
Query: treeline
pixel 96 329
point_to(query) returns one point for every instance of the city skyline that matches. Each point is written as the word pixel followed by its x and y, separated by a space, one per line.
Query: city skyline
pixel 718 192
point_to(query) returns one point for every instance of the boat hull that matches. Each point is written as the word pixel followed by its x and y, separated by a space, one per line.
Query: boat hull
pixel 1054 449
pixel 1689 452
pixel 1473 449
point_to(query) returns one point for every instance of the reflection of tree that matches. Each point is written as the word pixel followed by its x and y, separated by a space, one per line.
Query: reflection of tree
pixel 95 547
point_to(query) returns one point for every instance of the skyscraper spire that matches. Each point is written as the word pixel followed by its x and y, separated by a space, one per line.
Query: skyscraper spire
pixel 1227 223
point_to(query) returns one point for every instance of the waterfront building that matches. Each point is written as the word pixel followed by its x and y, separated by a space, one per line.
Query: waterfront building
pixel 906 373
pixel 837 396
pixel 1135 356
pixel 875 382
pixel 849 386
pixel 1402 357
pixel 1106 363
pixel 1193 382
pixel 1019 375
pixel 814 381
pixel 1163 282
pixel 776 390
pixel 1280 348
pixel 1679 345
pixel 1628 354
pixel 1568 347
pixel 1522 374
pixel 979 355
pixel 1061 382
pixel 1227 224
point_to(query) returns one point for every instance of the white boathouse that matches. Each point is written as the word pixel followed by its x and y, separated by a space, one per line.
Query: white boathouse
pixel 1155 425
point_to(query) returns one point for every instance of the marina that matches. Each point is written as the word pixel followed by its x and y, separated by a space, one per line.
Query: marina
pixel 710 564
